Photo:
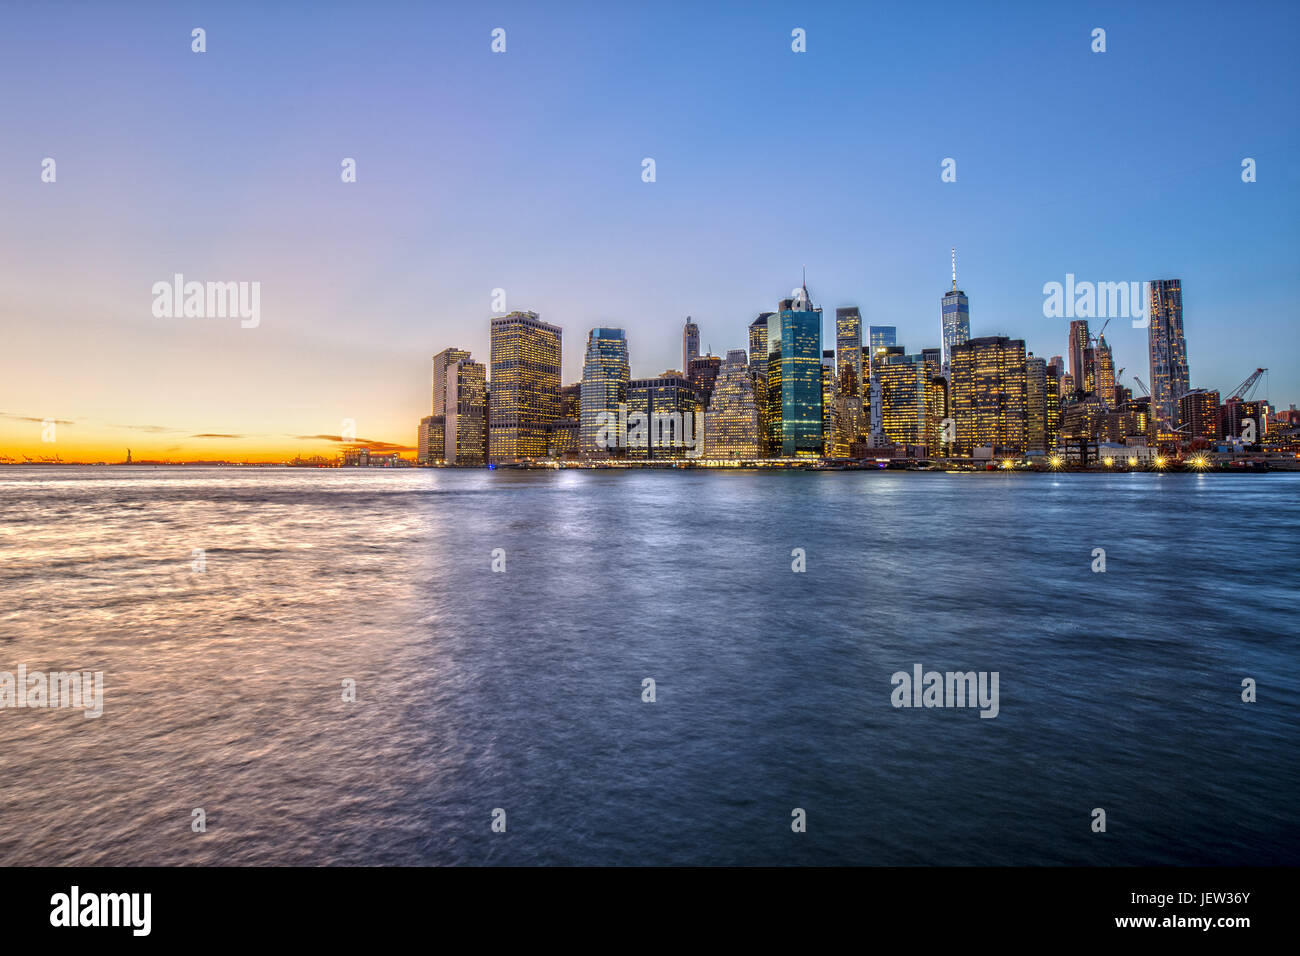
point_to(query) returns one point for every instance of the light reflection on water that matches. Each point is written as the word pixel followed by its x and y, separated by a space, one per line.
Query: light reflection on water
pixel 523 690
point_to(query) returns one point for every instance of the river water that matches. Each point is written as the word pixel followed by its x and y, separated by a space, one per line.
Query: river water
pixel 227 608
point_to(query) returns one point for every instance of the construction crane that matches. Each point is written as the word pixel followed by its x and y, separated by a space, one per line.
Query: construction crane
pixel 1245 388
pixel 1095 340
pixel 1142 385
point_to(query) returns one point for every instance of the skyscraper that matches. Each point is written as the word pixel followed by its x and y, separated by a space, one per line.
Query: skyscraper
pixel 903 402
pixel 1036 396
pixel 430 434
pixel 732 425
pixel 1200 413
pixel 848 351
pixel 465 431
pixel 758 344
pixel 440 362
pixel 702 373
pixel 990 401
pixel 524 397
pixel 883 336
pixel 758 368
pixel 1168 349
pixel 955 318
pixel 690 343
pixel 670 409
pixel 835 442
pixel 794 377
pixel 1052 402
pixel 605 375
pixel 1076 349
pixel 1103 372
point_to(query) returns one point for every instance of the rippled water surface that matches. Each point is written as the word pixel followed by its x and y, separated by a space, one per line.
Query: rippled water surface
pixel 522 690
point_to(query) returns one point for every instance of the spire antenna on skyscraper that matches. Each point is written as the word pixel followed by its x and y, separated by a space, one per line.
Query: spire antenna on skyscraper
pixel 954 268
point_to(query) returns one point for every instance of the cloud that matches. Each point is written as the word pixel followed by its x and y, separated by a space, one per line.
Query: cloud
pixel 29 418
pixel 382 446
pixel 215 435
pixel 151 429
pixel 367 443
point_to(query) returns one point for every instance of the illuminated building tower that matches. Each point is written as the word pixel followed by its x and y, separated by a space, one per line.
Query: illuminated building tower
pixel 702 373
pixel 936 410
pixel 670 408
pixel 794 378
pixel 1077 349
pixel 1198 410
pixel 1083 425
pixel 1243 419
pixel 564 430
pixel 466 411
pixel 1103 372
pixel 884 343
pixel 848 350
pixel 732 424
pixel 605 375
pixel 690 343
pixel 525 392
pixel 883 335
pixel 571 401
pixel 758 368
pixel 1052 403
pixel 440 363
pixel 1168 349
pixel 424 453
pixel 758 344
pixel 955 318
pixel 990 395
pixel 1036 397
pixel 834 444
pixel 903 401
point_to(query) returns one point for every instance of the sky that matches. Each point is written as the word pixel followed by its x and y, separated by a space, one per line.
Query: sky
pixel 522 171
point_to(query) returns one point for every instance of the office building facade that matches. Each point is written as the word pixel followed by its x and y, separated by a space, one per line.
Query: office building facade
pixel 524 398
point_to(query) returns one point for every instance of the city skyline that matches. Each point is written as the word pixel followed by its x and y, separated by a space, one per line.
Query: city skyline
pixel 1081 349
pixel 362 282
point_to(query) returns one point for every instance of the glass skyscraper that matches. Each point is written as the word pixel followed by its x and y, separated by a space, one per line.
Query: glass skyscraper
pixel 883 336
pixel 605 375
pixel 1168 348
pixel 794 378
pixel 955 317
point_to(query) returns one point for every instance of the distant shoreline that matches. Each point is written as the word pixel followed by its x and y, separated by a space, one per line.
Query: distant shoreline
pixel 1245 468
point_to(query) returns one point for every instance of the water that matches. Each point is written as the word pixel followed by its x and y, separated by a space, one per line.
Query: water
pixel 478 690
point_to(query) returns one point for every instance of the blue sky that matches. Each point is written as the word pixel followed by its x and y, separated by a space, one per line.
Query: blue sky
pixel 522 171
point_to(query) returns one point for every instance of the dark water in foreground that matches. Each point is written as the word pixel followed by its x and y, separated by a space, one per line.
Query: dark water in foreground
pixel 522 690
